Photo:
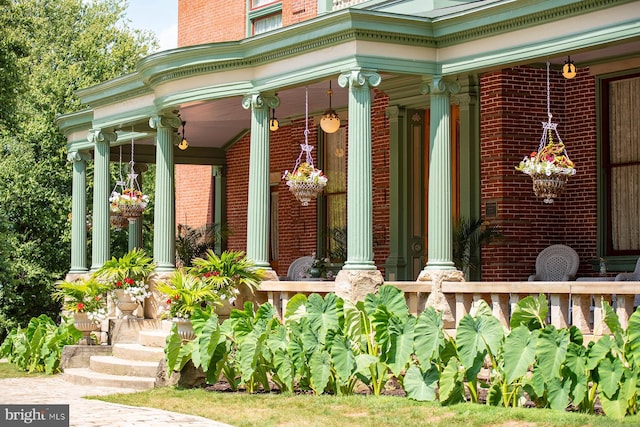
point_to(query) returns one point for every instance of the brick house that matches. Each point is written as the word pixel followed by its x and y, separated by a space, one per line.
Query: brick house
pixel 438 101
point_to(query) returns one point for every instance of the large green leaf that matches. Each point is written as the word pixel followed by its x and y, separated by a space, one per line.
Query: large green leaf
pixel 633 331
pixel 247 356
pixel 598 351
pixel 207 341
pixel 429 337
pixel 451 384
pixel 614 406
pixel 558 391
pixel 296 308
pixel 519 352
pixel 530 312
pixel 389 297
pixel 354 322
pixel 320 366
pixel 344 361
pixel 322 314
pixel 609 372
pixel 363 366
pixel 476 336
pixel 551 351
pixel 576 368
pixel 401 349
pixel 284 370
pixel 421 386
pixel 172 349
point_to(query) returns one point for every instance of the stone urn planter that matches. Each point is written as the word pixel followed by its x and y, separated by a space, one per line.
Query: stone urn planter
pixel 125 304
pixel 185 329
pixel 85 325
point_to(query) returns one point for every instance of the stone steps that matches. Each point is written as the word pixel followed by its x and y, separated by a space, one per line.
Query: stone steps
pixel 86 376
pixel 134 361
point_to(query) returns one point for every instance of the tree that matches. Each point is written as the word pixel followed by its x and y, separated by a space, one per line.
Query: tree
pixel 66 45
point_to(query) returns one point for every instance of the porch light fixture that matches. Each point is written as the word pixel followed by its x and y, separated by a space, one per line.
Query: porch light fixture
pixel 184 144
pixel 569 69
pixel 330 122
pixel 273 122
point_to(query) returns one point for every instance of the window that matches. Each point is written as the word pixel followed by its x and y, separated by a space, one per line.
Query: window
pixel 264 16
pixel 335 168
pixel 621 162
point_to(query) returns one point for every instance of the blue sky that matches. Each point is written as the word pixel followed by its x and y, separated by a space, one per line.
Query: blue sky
pixel 159 16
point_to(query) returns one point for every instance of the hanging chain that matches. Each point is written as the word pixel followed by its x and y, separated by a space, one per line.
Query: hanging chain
pixel 305 148
pixel 133 182
pixel 548 127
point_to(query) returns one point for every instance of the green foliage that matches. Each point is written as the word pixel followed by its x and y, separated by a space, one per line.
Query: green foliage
pixel 135 265
pixel 468 237
pixel 48 50
pixel 81 296
pixel 38 347
pixel 329 345
pixel 194 243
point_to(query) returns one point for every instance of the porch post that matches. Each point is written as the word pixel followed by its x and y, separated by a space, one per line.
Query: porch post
pixel 440 266
pixel 440 254
pixel 258 201
pixel 164 214
pixel 220 189
pixel 79 212
pixel 359 275
pixel 135 227
pixel 100 222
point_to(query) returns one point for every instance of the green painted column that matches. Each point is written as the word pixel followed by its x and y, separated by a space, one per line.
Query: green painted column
pixel 164 218
pixel 440 254
pixel 135 227
pixel 395 263
pixel 79 211
pixel 258 201
pixel 220 191
pixel 102 140
pixel 359 180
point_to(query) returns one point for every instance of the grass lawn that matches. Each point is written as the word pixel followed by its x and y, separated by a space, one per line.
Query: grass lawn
pixel 242 409
pixel 8 370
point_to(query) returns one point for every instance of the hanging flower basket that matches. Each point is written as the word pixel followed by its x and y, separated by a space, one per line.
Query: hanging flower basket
pixel 305 182
pixel 549 167
pixel 117 220
pixel 131 203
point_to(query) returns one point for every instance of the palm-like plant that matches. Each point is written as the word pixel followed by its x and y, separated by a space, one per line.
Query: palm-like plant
pixel 186 292
pixel 134 265
pixel 192 242
pixel 468 237
pixel 228 273
pixel 81 296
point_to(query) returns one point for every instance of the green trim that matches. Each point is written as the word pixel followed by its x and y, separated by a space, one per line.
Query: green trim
pixel 75 122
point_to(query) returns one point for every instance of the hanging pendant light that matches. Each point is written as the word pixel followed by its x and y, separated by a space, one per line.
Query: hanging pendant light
pixel 184 144
pixel 273 122
pixel 330 121
pixel 569 69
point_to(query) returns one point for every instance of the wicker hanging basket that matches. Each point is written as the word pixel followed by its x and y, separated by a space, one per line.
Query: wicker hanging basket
pixel 549 187
pixel 305 191
pixel 117 220
pixel 131 212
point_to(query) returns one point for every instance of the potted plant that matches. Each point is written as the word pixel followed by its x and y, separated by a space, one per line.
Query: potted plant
pixel 305 182
pixel 127 279
pixel 86 299
pixel 231 275
pixel 131 203
pixel 185 293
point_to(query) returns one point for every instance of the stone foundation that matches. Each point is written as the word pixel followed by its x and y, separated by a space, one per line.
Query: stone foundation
pixel 354 285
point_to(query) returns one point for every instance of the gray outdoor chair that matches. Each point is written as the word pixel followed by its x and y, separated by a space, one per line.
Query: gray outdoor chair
pixel 299 268
pixel 634 275
pixel 556 263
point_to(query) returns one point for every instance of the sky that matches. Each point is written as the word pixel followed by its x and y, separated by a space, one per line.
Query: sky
pixel 158 16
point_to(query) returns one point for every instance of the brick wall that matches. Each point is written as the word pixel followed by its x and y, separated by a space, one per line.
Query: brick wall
pixel 513 105
pixel 194 195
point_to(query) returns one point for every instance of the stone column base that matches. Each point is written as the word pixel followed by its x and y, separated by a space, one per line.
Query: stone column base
pixel 354 285
pixel 437 298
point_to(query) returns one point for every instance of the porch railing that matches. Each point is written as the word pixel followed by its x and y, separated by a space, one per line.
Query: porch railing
pixel 570 303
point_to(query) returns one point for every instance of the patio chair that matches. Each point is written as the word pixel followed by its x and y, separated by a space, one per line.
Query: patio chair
pixel 299 268
pixel 556 263
pixel 634 275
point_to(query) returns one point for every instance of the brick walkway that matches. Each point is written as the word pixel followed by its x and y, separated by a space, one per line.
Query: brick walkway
pixel 92 413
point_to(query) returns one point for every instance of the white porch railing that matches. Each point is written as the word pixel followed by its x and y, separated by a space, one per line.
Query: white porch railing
pixel 570 303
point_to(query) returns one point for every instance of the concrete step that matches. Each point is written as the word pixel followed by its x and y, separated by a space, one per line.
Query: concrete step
pixel 138 352
pixel 116 366
pixel 86 376
pixel 153 337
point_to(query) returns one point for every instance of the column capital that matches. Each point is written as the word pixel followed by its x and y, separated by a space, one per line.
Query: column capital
pixel 217 170
pixel 359 78
pixel 160 121
pixel 464 100
pixel 78 156
pixel 393 111
pixel 102 135
pixel 438 85
pixel 258 101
